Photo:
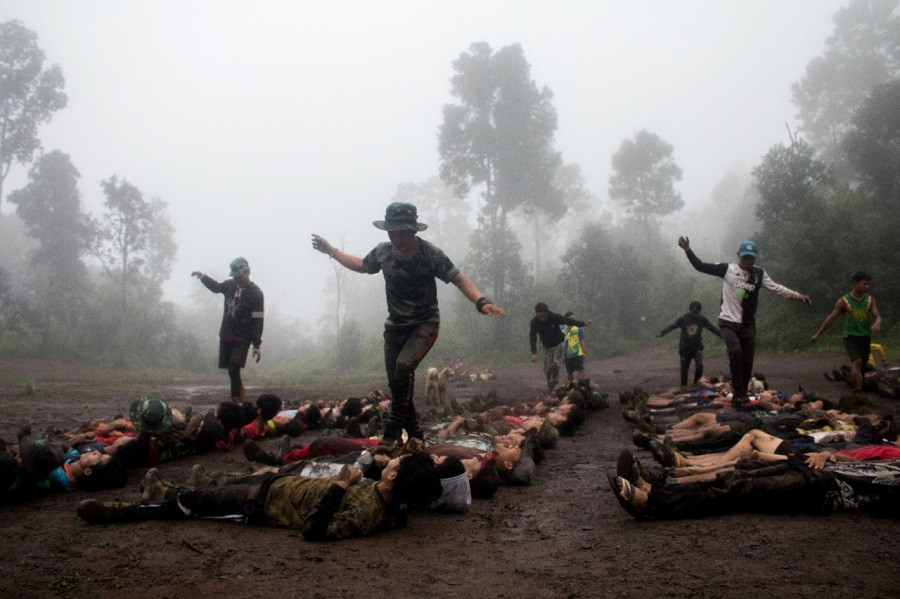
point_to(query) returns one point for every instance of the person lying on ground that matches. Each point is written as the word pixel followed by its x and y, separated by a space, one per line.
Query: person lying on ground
pixel 216 430
pixel 40 467
pixel 757 445
pixel 323 454
pixel 323 509
pixel 789 487
pixel 885 382
pixel 267 407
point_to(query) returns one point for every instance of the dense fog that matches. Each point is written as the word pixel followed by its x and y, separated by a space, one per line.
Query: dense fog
pixel 250 126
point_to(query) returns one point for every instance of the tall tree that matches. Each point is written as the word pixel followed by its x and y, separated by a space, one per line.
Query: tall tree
pixel 499 136
pixel 788 179
pixel 123 235
pixel 873 143
pixel 644 177
pixel 29 95
pixel 50 207
pixel 161 247
pixel 569 185
pixel 862 52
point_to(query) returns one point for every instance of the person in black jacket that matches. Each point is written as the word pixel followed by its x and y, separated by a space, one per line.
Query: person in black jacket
pixel 548 326
pixel 242 321
pixel 690 345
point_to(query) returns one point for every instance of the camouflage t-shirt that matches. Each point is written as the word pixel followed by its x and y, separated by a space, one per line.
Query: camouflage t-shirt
pixel 362 511
pixel 409 281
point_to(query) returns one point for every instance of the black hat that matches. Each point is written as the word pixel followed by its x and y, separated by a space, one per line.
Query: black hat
pixel 400 216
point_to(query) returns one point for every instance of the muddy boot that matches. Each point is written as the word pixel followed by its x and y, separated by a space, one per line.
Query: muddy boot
pixel 392 436
pixel 254 453
pixel 154 490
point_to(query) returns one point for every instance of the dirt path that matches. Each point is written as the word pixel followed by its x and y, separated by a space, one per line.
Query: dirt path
pixel 563 536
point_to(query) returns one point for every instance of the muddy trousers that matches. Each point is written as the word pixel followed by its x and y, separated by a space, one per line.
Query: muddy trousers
pixel 787 488
pixel 685 360
pixel 404 349
pixel 240 499
pixel 740 341
pixel 553 357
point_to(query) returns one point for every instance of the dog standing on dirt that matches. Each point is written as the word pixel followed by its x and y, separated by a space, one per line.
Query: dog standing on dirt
pixel 436 386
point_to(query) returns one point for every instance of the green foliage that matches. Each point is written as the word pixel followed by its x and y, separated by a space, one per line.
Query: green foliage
pixel 627 281
pixel 861 53
pixel 790 182
pixel 873 143
pixel 499 136
pixel 645 175
pixel 29 95
pixel 50 207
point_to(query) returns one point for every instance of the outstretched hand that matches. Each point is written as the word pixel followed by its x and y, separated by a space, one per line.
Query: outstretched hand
pixel 817 461
pixel 197 274
pixel 684 242
pixel 493 310
pixel 321 244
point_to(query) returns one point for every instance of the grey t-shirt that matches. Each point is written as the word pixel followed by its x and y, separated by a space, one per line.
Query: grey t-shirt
pixel 409 281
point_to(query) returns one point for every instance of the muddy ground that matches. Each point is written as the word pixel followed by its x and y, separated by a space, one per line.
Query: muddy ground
pixel 564 536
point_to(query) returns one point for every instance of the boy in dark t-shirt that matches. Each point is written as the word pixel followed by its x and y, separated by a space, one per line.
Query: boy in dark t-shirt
pixel 410 266
pixel 690 344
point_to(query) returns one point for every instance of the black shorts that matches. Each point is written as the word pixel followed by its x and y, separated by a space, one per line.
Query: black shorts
pixel 858 347
pixel 233 353
pixel 574 364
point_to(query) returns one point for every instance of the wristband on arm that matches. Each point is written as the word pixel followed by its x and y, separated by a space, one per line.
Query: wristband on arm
pixel 480 302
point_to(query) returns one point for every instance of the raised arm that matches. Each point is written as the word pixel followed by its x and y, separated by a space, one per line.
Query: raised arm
pixel 349 261
pixel 717 270
pixel 208 282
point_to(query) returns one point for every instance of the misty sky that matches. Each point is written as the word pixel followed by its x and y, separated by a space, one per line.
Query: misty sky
pixel 261 122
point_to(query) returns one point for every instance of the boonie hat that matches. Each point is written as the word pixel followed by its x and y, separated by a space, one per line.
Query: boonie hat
pixel 748 248
pixel 239 266
pixel 150 414
pixel 400 216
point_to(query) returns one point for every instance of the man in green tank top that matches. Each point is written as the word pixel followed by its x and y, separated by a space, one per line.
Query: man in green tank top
pixel 860 309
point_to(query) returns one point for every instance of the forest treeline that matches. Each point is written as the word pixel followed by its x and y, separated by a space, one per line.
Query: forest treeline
pixel 504 205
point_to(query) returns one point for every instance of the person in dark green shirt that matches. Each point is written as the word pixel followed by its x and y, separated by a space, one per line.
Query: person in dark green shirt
pixel 862 319
pixel 330 508
pixel 410 266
